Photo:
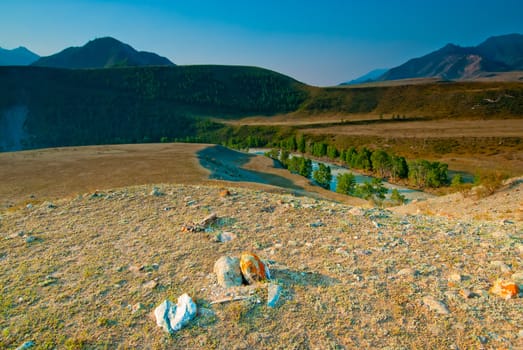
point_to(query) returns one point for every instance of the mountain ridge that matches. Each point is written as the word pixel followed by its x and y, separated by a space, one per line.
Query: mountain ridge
pixel 103 52
pixel 502 53
pixel 20 56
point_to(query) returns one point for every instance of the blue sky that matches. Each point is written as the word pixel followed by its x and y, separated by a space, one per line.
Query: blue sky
pixel 318 42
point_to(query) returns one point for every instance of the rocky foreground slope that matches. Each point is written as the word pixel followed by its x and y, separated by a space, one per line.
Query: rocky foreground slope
pixel 87 272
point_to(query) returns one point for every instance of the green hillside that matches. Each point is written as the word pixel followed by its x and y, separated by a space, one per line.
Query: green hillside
pixel 78 107
pixel 145 104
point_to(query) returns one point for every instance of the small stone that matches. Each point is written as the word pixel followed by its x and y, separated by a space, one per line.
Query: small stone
pixel 30 239
pixel 518 277
pixel 227 270
pixel 505 289
pixel 482 339
pixel 357 211
pixel 29 206
pixel 172 317
pixel 466 293
pixel 225 236
pixel 501 265
pixel 407 272
pixel 435 305
pixel 274 292
pixel 135 268
pixel 252 268
pixel 316 224
pixel 137 307
pixel 156 192
pixel 342 251
pixel 225 193
pixel 455 277
pixel 150 285
pixel 26 345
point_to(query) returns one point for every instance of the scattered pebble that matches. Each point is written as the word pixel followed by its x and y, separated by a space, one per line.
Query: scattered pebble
pixel 435 305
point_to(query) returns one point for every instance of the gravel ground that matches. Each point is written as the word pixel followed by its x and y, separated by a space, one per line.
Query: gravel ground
pixel 87 272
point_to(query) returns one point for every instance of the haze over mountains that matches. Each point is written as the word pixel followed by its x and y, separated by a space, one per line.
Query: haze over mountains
pixel 20 56
pixel 102 53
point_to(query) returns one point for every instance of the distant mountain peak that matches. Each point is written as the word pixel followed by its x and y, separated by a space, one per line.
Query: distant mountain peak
pixel 102 52
pixel 21 56
pixel 496 54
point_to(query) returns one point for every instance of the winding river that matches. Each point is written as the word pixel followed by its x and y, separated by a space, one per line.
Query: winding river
pixel 409 194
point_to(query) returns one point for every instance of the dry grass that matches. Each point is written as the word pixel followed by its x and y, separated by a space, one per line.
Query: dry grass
pixel 47 174
pixel 74 285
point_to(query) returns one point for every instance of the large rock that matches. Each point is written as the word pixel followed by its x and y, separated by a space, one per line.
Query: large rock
pixel 252 268
pixel 227 270
pixel 173 317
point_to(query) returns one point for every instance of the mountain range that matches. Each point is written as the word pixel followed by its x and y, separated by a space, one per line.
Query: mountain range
pixel 452 62
pixel 493 58
pixel 20 56
pixel 102 53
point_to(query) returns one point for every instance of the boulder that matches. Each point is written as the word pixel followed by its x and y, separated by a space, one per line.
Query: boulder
pixel 227 270
pixel 172 317
pixel 252 268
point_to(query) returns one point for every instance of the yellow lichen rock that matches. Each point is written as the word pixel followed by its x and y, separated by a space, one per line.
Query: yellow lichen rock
pixel 252 268
pixel 504 289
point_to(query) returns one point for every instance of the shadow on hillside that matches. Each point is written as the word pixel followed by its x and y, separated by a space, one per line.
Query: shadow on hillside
pixel 226 164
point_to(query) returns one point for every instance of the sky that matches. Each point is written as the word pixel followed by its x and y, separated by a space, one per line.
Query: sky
pixel 317 42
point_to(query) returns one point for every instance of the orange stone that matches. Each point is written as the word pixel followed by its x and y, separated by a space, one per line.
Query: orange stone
pixel 224 193
pixel 252 268
pixel 504 289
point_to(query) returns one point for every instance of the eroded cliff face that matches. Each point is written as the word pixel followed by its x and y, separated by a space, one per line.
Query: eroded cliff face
pixel 12 134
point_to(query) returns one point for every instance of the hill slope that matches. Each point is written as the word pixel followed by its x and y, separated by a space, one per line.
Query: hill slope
pixel 102 53
pixel 496 54
pixel 17 57
pixel 59 107
pixel 350 277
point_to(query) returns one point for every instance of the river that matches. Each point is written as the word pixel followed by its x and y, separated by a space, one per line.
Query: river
pixel 409 193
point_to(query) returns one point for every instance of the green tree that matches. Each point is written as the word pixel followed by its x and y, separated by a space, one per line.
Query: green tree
pixel 322 176
pixel 399 167
pixel 397 198
pixel 319 149
pixel 372 190
pixel 381 163
pixel 346 183
pixel 284 157
pixel 332 152
pixel 300 143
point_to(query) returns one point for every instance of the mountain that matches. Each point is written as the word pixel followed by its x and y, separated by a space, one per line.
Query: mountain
pixel 367 78
pixel 102 53
pixel 496 54
pixel 17 57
